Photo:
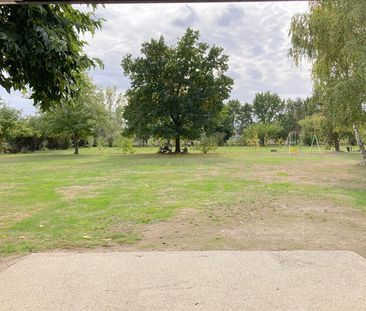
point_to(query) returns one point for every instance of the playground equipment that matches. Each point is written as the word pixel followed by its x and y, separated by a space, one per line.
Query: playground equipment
pixel 294 139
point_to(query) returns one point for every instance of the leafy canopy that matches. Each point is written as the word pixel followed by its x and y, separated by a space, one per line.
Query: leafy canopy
pixel 176 91
pixel 261 132
pixel 40 50
pixel 112 127
pixel 241 115
pixel 267 107
pixel 9 118
pixel 332 36
pixel 80 117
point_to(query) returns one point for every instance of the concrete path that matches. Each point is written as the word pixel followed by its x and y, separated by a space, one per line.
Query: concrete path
pixel 215 280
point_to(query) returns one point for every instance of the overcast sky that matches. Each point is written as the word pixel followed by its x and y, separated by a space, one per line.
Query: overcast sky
pixel 254 35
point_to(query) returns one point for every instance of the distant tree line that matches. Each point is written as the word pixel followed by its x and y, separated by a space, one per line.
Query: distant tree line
pixel 270 119
pixel 97 117
pixel 93 118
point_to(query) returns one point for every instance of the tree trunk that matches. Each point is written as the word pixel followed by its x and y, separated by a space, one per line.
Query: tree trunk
pixel 336 142
pixel 177 144
pixel 360 143
pixel 76 143
pixel 261 141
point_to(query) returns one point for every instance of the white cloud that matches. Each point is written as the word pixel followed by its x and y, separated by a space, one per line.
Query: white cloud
pixel 254 35
pixel 17 101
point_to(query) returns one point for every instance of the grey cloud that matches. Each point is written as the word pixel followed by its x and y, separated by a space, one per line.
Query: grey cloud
pixel 187 17
pixel 254 74
pixel 232 16
pixel 257 51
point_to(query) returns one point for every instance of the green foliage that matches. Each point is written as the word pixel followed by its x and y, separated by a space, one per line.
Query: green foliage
pixel 251 138
pixel 332 35
pixel 176 91
pixel 100 142
pixel 267 107
pixel 224 124
pixel 241 115
pixel 296 110
pixel 279 141
pixel 209 143
pixel 80 117
pixel 233 118
pixel 91 141
pixel 126 144
pixel 262 132
pixel 18 133
pixel 27 135
pixel 92 118
pixel 312 124
pixel 112 127
pixel 9 118
pixel 235 141
pixel 322 127
pixel 41 50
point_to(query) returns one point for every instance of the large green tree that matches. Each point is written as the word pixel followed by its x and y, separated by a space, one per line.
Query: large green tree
pixel 332 36
pixel 176 91
pixel 267 107
pixel 80 117
pixel 241 115
pixel 41 51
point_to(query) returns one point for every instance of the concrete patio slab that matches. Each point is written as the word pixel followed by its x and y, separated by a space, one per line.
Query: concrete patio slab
pixel 212 280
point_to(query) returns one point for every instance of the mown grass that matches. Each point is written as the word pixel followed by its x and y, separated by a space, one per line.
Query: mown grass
pixel 102 197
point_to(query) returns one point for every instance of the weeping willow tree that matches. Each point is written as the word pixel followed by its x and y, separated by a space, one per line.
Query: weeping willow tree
pixel 332 36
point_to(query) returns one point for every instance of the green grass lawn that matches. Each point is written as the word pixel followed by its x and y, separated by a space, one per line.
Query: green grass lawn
pixel 56 200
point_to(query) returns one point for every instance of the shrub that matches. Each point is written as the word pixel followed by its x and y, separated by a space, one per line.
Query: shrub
pixel 235 141
pixel 90 141
pixel 307 139
pixel 100 142
pixel 126 144
pixel 279 141
pixel 261 132
pixel 252 141
pixel 209 143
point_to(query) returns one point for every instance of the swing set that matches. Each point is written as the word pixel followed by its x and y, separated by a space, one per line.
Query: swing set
pixel 293 142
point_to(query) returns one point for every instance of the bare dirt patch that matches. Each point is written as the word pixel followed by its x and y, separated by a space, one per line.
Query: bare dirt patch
pixel 315 174
pixel 79 191
pixel 189 229
pixel 283 225
pixel 7 187
pixel 14 217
